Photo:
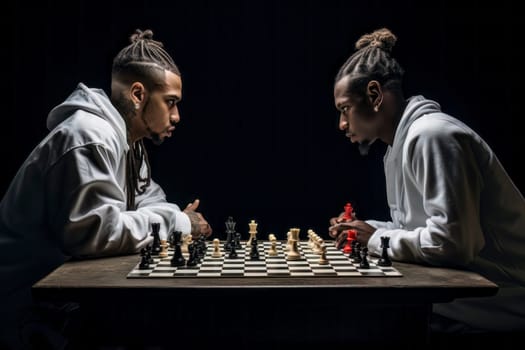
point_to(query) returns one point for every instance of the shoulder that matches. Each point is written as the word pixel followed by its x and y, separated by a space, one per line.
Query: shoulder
pixel 439 129
pixel 83 130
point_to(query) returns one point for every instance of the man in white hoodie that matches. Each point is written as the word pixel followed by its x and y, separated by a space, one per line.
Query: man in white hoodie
pixel 451 202
pixel 86 190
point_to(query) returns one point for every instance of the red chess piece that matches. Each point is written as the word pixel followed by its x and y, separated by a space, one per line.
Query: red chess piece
pixel 347 216
pixel 350 236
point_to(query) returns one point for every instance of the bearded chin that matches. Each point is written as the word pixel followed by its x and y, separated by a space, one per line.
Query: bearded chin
pixel 364 147
pixel 156 139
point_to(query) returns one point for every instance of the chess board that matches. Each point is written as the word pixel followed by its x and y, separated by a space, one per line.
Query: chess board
pixel 339 265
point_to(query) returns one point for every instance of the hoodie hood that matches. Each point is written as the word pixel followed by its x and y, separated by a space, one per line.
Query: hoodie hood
pixel 93 101
pixel 417 107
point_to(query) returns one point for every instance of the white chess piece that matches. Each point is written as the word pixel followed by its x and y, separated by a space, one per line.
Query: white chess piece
pixel 322 259
pixel 216 249
pixel 252 232
pixel 273 247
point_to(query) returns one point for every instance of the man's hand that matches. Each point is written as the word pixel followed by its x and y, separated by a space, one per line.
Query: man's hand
pixel 199 225
pixel 364 231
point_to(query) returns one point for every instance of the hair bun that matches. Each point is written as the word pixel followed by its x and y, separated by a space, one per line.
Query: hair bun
pixel 382 38
pixel 141 35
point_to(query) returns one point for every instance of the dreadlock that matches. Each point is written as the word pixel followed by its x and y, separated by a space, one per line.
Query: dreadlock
pixel 372 61
pixel 144 60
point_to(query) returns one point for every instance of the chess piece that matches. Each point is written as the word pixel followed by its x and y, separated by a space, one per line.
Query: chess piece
pixel 177 259
pixel 350 236
pixel 357 258
pixel 186 241
pixel 348 213
pixel 252 232
pixel 238 240
pixel 155 229
pixel 385 259
pixel 201 247
pixel 273 246
pixel 148 254
pixel 364 259
pixel 293 253
pixel 216 249
pixel 353 254
pixel 194 258
pixel 144 260
pixel 233 252
pixel 254 252
pixel 322 258
pixel 230 233
pixel 163 249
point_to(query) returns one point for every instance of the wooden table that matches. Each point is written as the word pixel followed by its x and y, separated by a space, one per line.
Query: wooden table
pixel 245 312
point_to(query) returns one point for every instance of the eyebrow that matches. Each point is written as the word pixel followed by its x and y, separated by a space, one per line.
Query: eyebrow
pixel 175 97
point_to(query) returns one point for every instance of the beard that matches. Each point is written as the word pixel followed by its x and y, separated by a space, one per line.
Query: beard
pixel 364 147
pixel 155 138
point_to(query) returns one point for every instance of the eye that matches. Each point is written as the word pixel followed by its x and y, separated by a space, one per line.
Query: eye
pixel 344 109
pixel 171 102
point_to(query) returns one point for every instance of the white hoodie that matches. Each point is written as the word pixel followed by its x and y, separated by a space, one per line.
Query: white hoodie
pixel 69 196
pixel 452 204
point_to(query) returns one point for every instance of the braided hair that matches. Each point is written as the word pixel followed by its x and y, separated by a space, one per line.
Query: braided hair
pixel 143 60
pixel 372 61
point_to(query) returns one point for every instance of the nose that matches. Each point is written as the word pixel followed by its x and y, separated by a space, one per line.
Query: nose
pixel 343 123
pixel 175 116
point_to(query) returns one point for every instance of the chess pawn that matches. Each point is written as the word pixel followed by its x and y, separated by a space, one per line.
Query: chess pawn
pixel 216 249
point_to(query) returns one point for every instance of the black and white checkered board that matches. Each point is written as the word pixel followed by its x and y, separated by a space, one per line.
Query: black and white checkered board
pixel 267 266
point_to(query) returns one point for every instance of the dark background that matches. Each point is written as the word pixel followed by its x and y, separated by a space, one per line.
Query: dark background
pixel 258 137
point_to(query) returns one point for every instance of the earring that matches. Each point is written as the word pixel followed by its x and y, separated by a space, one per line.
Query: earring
pixel 137 105
pixel 376 108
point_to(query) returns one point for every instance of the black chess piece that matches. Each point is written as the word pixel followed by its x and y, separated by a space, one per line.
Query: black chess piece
pixel 177 258
pixel 357 257
pixel 364 259
pixel 144 260
pixel 354 252
pixel 148 255
pixel 155 248
pixel 193 258
pixel 233 252
pixel 238 240
pixel 230 233
pixel 254 252
pixel 201 247
pixel 385 259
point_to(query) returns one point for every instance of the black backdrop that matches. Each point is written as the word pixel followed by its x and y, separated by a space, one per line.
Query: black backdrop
pixel 258 137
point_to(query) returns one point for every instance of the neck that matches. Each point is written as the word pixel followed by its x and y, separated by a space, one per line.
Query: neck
pixel 394 114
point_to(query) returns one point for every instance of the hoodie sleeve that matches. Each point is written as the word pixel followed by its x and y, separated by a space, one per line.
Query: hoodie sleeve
pixel 87 207
pixel 441 168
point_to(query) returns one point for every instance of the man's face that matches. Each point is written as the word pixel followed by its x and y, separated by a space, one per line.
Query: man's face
pixel 160 113
pixel 356 117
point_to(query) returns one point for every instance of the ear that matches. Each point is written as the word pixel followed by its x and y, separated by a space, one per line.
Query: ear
pixel 137 91
pixel 374 94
